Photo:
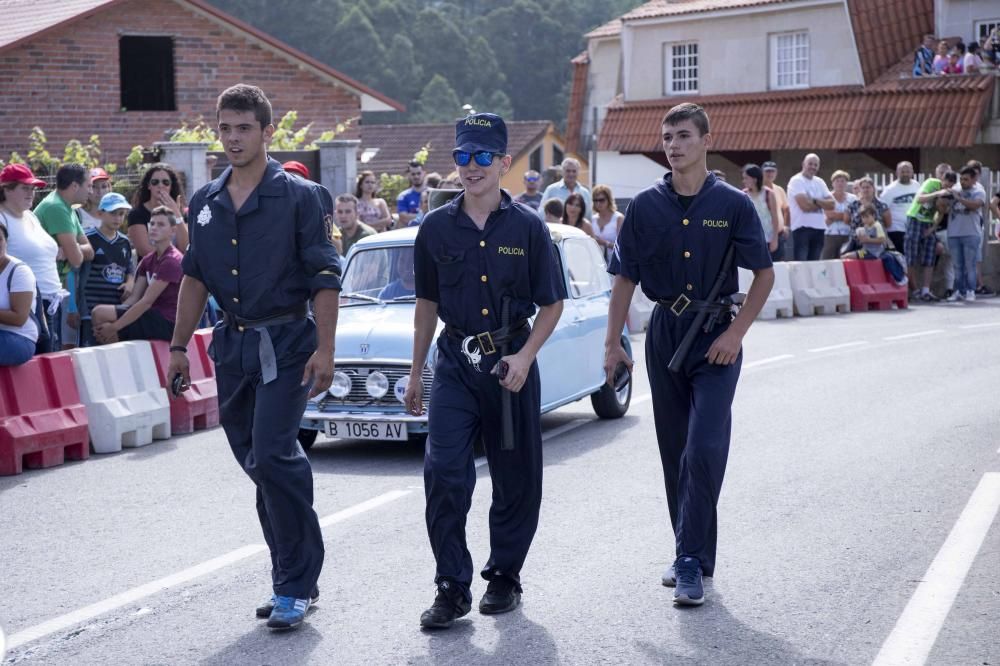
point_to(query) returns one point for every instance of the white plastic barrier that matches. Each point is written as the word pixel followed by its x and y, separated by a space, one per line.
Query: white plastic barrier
pixel 125 403
pixel 639 312
pixel 815 289
pixel 779 301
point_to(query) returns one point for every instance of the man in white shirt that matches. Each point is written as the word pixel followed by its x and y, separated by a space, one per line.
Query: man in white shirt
pixel 561 189
pixel 898 196
pixel 808 197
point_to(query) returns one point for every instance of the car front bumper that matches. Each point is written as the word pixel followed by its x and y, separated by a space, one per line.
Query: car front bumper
pixel 315 419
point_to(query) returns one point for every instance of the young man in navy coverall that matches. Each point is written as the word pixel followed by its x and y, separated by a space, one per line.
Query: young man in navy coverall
pixel 470 256
pixel 672 244
pixel 260 246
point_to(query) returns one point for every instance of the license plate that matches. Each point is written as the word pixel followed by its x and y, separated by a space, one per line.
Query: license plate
pixel 366 430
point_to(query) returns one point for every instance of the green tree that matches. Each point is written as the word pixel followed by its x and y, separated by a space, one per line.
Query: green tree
pixel 355 47
pixel 438 102
pixel 403 73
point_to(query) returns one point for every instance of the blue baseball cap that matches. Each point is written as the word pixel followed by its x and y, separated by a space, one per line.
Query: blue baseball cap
pixel 481 132
pixel 113 201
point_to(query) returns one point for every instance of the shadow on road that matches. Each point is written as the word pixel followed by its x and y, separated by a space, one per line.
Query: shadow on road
pixel 265 646
pixel 520 641
pixel 716 637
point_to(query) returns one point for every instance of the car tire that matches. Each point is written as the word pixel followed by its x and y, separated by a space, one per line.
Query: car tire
pixel 611 404
pixel 307 437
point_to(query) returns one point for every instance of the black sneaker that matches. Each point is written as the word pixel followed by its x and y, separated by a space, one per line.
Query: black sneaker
pixel 264 610
pixel 502 596
pixel 448 606
pixel 689 590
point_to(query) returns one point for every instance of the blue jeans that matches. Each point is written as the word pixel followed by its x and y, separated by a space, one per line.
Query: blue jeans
pixel 15 349
pixel 964 252
pixel 808 243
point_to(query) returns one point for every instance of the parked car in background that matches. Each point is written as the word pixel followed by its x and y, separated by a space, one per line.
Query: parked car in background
pixel 375 341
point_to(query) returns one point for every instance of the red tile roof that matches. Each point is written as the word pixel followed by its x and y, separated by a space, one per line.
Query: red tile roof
pixel 577 102
pixel 24 20
pixel 396 144
pixel 609 29
pixel 888 30
pixel 905 113
pixel 658 8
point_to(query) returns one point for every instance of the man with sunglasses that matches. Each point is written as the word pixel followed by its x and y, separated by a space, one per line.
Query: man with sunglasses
pixel 477 258
pixel 531 196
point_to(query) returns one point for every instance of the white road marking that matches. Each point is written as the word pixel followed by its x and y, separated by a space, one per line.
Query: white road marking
pixel 918 334
pixel 844 345
pixel 181 577
pixel 555 432
pixel 992 324
pixel 764 361
pixel 916 630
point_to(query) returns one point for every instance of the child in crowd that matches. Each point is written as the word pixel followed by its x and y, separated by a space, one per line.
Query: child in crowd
pixel 552 210
pixel 149 313
pixel 110 277
pixel 874 244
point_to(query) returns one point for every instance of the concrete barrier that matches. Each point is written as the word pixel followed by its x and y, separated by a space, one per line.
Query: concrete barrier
pixel 779 301
pixel 42 421
pixel 816 287
pixel 198 407
pixel 871 287
pixel 126 405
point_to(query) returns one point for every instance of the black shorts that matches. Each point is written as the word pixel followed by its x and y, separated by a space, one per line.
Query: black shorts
pixel 150 326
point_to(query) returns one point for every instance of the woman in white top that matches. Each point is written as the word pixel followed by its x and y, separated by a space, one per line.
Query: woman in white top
pixel 372 210
pixel 766 204
pixel 29 242
pixel 18 333
pixel 838 221
pixel 607 221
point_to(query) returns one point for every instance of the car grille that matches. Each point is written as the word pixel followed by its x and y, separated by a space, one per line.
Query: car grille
pixel 358 397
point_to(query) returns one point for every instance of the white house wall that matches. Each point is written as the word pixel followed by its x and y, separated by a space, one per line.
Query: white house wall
pixel 627 175
pixel 957 18
pixel 734 49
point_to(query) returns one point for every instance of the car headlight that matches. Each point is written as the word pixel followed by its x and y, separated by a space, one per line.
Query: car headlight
pixel 340 386
pixel 400 388
pixel 377 385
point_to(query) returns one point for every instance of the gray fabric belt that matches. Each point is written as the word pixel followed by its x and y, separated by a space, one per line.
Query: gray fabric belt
pixel 265 348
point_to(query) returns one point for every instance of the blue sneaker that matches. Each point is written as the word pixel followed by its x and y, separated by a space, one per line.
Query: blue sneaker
pixel 288 612
pixel 689 590
pixel 264 610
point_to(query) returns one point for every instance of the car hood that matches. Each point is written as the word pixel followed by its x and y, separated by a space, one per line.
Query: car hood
pixel 376 332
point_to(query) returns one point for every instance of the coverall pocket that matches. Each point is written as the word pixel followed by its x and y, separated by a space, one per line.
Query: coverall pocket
pixel 450 267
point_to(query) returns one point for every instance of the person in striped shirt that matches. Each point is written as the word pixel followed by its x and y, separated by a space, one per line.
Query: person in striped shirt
pixel 108 279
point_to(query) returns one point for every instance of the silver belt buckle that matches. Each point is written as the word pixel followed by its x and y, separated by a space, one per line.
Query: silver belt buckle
pixel 680 305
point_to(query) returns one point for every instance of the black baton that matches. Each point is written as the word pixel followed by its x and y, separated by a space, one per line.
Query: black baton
pixel 677 360
pixel 506 407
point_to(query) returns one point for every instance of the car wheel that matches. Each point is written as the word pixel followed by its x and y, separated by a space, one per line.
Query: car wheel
pixel 611 404
pixel 307 437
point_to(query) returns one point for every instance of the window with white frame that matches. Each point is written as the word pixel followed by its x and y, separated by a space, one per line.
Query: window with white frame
pixel 790 60
pixel 986 28
pixel 680 69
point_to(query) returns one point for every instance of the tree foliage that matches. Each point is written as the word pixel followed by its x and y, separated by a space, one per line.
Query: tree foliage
pixel 512 58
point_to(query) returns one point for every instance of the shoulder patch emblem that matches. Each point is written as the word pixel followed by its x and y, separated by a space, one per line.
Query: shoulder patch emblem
pixel 205 216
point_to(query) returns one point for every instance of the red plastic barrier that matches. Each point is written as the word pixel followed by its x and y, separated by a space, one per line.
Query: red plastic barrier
pixel 871 287
pixel 42 421
pixel 198 407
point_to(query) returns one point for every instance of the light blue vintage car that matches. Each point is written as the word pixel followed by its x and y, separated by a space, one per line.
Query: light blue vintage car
pixel 375 342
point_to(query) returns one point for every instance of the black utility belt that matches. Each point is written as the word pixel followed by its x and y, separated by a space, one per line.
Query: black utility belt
pixel 683 304
pixel 296 314
pixel 488 341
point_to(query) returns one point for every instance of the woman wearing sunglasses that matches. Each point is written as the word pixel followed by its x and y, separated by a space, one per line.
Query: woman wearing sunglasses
pixel 160 186
pixel 607 219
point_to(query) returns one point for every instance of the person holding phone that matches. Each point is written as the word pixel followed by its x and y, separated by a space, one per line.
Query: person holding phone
pixel 160 186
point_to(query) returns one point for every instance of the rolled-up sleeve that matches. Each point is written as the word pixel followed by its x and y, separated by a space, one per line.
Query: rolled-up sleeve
pixel 190 262
pixel 624 258
pixel 317 255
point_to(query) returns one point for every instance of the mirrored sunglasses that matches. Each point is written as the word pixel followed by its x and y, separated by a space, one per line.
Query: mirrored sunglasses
pixel 484 158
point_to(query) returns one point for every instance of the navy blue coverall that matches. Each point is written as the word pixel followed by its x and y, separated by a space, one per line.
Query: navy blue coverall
pixel 670 246
pixel 263 261
pixel 468 272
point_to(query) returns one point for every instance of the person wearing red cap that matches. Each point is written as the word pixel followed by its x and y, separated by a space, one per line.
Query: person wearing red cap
pixel 30 243
pixel 100 184
pixel 292 166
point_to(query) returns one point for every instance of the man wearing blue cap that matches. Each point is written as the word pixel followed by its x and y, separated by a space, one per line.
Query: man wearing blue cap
pixel 482 263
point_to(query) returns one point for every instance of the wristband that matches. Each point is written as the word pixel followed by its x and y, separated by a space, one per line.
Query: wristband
pixel 178 348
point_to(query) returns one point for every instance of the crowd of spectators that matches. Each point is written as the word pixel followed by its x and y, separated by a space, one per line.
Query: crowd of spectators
pixel 941 57
pixel 69 277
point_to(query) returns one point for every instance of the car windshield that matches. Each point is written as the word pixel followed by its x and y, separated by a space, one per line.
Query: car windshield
pixel 382 273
